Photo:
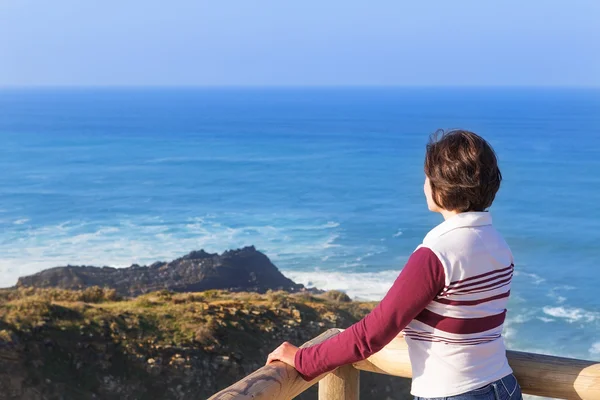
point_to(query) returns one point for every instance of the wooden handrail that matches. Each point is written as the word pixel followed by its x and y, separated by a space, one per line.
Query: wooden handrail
pixel 538 374
pixel 541 375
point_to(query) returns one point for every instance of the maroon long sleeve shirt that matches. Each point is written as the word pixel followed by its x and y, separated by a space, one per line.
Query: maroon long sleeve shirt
pixel 417 285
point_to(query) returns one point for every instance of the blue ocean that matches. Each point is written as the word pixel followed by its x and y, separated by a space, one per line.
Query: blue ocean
pixel 328 182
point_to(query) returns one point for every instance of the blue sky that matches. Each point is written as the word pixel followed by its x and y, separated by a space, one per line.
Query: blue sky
pixel 277 42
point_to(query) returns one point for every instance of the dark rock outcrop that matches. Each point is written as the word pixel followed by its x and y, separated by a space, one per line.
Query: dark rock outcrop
pixel 236 270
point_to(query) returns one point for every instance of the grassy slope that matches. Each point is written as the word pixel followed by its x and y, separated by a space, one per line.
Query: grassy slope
pixel 90 344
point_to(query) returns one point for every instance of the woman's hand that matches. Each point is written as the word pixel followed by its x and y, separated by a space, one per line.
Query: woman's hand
pixel 286 353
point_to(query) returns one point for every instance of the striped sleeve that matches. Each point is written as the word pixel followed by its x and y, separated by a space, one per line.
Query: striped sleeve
pixel 418 284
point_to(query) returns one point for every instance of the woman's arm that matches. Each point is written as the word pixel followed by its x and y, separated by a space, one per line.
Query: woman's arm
pixel 417 285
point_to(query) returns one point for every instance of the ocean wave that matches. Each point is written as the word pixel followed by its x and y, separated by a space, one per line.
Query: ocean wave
pixel 351 265
pixel 544 319
pixel 572 315
pixel 21 221
pixel 398 233
pixel 521 315
pixel 555 294
pixel 358 285
pixel 595 349
pixel 535 278
pixel 516 298
pixel 369 254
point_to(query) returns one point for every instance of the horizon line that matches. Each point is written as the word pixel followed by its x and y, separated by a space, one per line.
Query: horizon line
pixel 292 86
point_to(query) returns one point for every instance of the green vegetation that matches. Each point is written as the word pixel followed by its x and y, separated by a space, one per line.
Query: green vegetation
pixel 91 342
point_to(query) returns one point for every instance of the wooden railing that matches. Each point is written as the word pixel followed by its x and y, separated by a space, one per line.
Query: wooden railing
pixel 541 375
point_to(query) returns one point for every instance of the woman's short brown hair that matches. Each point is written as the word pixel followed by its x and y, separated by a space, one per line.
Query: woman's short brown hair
pixel 463 171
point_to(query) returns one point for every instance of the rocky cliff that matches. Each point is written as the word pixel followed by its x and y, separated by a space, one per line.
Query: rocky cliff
pixel 60 344
pixel 235 270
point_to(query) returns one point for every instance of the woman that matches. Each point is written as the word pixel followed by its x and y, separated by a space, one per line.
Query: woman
pixel 450 299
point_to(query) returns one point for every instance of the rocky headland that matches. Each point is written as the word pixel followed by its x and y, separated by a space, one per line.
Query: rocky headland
pixel 244 269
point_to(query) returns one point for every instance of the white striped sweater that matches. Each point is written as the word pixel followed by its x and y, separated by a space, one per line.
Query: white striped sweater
pixel 455 343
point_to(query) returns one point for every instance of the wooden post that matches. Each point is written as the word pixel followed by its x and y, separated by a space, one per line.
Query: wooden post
pixel 341 384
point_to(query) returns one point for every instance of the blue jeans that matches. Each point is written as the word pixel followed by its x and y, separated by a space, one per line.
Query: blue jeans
pixel 503 389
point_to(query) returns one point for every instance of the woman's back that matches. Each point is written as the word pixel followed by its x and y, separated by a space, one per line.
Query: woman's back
pixel 455 343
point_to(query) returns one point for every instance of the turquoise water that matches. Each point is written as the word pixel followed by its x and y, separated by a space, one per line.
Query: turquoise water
pixel 327 182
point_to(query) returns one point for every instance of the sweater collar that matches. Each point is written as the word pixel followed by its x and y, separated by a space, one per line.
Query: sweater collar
pixel 462 220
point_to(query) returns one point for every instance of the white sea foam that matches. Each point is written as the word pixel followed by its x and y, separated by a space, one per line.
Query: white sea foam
pixel 521 316
pixel 399 233
pixel 369 254
pixel 509 332
pixel 554 294
pixel 363 285
pixel 595 349
pixel 544 319
pixel 351 265
pixel 535 278
pixel 21 221
pixel 572 315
